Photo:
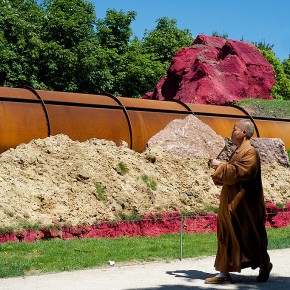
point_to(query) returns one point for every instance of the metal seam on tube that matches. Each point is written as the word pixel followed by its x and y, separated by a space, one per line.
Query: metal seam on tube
pixel 126 115
pixel 184 105
pixel 42 104
pixel 154 115
pixel 245 112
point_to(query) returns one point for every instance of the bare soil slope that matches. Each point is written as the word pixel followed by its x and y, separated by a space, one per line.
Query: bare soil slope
pixel 59 180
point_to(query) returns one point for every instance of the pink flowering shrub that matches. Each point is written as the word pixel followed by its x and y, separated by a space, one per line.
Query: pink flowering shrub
pixel 282 219
pixel 148 225
pixel 287 207
pixel 271 211
pixel 271 207
pixel 201 223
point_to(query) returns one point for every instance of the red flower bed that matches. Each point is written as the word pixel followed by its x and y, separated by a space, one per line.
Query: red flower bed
pixel 149 225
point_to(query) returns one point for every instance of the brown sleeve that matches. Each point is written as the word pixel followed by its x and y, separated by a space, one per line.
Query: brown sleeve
pixel 217 176
pixel 244 168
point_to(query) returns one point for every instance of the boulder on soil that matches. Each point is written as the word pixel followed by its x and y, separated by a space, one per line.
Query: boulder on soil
pixel 216 71
pixel 188 137
pixel 271 150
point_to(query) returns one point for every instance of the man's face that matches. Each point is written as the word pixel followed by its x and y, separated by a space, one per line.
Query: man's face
pixel 237 135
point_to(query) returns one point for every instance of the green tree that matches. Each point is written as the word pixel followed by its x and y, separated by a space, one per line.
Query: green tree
pixel 68 27
pixel 138 72
pixel 132 70
pixel 114 31
pixel 145 61
pixel 20 42
pixel 262 45
pixel 222 35
pixel 281 89
pixel 134 66
pixel 68 22
pixel 113 37
pixel 93 68
pixel 286 67
pixel 166 39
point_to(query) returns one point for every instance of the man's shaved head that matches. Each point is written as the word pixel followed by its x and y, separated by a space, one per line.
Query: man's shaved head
pixel 247 126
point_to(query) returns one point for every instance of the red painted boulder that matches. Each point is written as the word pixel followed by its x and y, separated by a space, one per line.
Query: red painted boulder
pixel 216 71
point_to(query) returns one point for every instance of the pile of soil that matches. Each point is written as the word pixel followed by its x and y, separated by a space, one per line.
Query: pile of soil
pixel 58 180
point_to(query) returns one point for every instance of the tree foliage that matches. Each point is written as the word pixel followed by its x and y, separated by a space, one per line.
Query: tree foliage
pixel 139 71
pixel 114 31
pixel 20 42
pixel 262 45
pixel 61 45
pixel 281 89
pixel 68 27
pixel 166 39
pixel 221 35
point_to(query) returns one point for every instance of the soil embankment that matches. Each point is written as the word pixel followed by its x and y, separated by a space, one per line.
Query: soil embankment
pixel 58 180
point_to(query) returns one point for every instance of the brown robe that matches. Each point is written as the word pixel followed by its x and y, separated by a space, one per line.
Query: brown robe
pixel 241 233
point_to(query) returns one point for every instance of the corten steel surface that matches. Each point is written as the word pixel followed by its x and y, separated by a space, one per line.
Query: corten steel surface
pixel 20 123
pixel 28 114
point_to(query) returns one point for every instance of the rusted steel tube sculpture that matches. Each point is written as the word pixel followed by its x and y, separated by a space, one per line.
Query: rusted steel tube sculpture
pixel 28 114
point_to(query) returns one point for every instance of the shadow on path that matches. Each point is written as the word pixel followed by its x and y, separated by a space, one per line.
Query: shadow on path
pixel 243 282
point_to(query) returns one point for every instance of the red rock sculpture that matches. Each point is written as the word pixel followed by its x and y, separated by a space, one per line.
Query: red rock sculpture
pixel 216 71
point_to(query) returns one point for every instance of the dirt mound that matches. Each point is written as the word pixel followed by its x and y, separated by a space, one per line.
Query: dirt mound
pixel 56 179
pixel 188 137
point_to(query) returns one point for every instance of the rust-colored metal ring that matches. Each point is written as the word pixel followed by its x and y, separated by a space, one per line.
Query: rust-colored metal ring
pixel 42 104
pixel 251 118
pixel 184 105
pixel 126 115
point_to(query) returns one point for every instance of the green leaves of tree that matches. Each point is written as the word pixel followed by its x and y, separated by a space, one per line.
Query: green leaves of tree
pixel 138 71
pixel 281 89
pixel 114 31
pixel 61 45
pixel 20 42
pixel 137 65
pixel 67 28
pixel 166 39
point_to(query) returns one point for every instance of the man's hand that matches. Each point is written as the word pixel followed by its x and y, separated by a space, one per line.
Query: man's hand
pixel 213 163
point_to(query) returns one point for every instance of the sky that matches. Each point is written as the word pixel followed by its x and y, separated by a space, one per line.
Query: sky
pixel 251 20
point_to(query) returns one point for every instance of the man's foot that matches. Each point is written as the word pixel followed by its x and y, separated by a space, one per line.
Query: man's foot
pixel 264 274
pixel 218 280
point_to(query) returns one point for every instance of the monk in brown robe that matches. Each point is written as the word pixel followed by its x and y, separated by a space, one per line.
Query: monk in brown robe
pixel 241 234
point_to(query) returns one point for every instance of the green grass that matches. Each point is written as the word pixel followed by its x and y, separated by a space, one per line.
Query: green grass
pixel 267 108
pixel 18 259
pixel 100 192
pixel 122 168
pixel 279 238
pixel 149 182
